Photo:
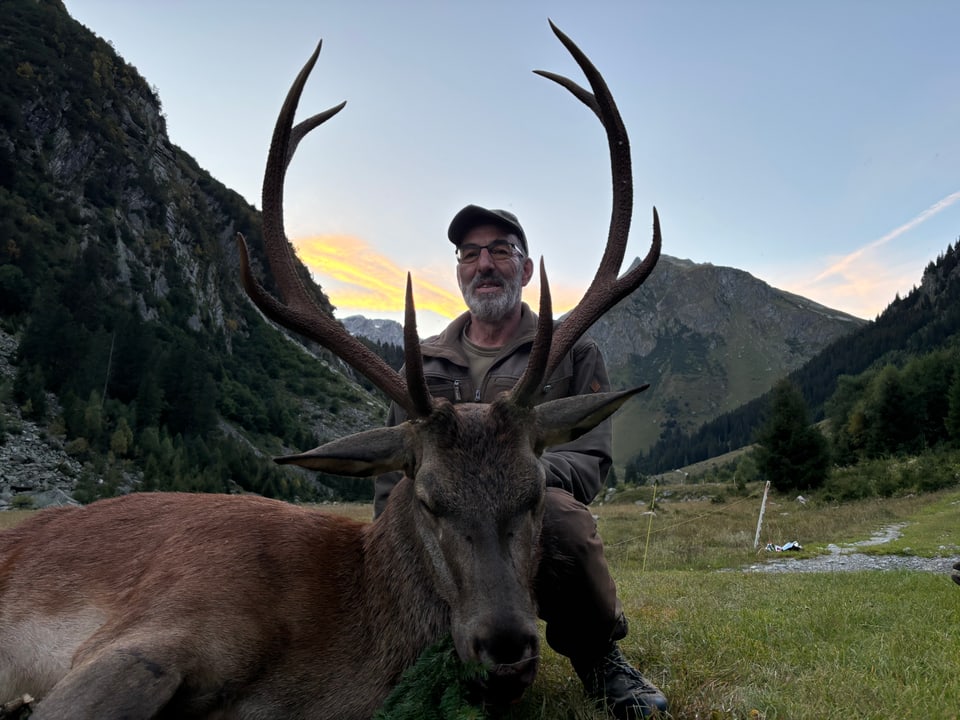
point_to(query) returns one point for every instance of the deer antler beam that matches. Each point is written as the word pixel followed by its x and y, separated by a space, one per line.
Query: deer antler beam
pixel 606 289
pixel 298 311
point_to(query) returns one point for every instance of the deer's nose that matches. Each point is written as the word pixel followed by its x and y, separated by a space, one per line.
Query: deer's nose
pixel 511 659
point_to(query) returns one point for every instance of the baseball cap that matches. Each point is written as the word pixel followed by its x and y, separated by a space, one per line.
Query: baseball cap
pixel 473 215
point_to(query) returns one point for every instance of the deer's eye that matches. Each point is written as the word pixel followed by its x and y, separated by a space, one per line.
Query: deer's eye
pixel 427 508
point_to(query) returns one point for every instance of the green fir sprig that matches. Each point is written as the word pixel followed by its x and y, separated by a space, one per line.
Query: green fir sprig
pixel 435 688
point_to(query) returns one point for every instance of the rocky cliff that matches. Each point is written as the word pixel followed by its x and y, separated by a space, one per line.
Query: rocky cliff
pixel 35 469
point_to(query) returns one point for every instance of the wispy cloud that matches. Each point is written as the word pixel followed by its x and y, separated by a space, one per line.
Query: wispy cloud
pixel 863 282
pixel 842 266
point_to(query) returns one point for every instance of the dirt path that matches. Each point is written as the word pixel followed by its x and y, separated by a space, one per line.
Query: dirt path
pixel 848 558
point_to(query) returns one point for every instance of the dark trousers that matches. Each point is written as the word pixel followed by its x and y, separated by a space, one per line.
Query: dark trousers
pixel 575 592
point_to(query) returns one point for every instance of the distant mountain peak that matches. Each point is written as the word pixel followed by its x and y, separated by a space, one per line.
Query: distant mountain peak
pixel 387 332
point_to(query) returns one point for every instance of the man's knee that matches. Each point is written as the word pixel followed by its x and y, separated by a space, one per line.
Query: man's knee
pixel 569 528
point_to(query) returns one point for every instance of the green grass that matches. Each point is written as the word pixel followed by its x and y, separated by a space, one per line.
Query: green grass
pixel 726 645
pixel 933 530
pixel 734 645
pixel 730 645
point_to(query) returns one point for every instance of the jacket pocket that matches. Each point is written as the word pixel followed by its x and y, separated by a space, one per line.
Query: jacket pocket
pixel 498 384
pixel 453 389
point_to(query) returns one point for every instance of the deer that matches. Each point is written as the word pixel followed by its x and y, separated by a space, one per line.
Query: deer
pixel 170 605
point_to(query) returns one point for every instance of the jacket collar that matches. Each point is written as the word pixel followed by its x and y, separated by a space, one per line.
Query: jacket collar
pixel 448 344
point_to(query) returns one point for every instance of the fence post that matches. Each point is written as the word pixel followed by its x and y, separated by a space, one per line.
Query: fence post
pixel 763 507
pixel 653 509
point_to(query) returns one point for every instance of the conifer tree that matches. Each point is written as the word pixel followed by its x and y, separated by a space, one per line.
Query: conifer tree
pixel 793 454
pixel 952 420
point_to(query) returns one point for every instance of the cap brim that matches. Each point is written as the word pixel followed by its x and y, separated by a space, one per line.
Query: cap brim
pixel 473 215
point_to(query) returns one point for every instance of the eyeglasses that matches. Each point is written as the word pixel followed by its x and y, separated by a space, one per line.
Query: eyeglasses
pixel 499 251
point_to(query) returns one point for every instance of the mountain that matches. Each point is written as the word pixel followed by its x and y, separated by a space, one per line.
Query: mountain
pixel 385 332
pixel 926 321
pixel 708 339
pixel 136 349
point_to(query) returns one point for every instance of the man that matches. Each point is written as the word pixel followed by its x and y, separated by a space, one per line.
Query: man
pixel 481 354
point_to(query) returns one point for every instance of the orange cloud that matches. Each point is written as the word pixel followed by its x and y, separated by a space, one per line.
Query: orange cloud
pixel 357 277
pixel 369 281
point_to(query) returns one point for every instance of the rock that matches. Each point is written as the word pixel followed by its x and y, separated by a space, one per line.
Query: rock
pixel 35 469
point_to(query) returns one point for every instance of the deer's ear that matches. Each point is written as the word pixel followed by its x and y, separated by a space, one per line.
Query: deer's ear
pixel 568 418
pixel 371 452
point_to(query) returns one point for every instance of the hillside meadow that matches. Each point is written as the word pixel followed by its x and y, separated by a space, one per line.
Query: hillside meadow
pixel 726 644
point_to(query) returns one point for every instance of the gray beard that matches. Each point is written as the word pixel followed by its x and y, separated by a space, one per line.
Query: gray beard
pixel 493 308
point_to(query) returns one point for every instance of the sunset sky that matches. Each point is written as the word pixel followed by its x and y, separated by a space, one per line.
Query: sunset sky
pixel 813 144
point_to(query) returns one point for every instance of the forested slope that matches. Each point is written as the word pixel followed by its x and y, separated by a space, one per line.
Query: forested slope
pixel 118 277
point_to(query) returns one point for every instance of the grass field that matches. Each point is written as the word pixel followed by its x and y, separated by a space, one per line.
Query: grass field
pixel 791 646
pixel 725 644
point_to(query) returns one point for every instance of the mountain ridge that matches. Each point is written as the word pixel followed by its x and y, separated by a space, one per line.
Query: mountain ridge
pixel 926 320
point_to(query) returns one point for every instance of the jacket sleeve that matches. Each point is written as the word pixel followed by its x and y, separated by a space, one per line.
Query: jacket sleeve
pixel 580 467
pixel 383 484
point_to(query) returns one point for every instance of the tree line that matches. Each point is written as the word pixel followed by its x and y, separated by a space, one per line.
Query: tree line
pixel 888 412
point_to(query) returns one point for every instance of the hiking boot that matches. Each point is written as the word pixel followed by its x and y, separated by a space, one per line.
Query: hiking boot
pixel 626 693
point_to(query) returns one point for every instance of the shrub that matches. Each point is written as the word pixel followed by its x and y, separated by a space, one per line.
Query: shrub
pixel 22 502
pixel 849 483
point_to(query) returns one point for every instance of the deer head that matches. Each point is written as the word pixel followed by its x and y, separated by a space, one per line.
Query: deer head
pixel 470 505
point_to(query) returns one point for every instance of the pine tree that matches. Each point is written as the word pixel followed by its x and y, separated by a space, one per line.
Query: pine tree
pixel 952 420
pixel 793 454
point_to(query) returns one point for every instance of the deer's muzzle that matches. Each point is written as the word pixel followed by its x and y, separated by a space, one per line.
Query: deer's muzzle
pixel 510 661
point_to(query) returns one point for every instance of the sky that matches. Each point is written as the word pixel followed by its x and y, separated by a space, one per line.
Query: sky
pixel 815 144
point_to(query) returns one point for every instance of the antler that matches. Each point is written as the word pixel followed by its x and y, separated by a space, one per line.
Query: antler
pixel 607 289
pixel 299 311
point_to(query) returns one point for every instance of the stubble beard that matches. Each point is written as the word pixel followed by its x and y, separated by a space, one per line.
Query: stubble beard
pixel 492 307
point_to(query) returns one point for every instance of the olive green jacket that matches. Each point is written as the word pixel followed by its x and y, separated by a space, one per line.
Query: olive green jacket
pixel 579 467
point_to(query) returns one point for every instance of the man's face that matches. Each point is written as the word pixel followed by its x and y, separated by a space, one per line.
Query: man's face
pixel 492 289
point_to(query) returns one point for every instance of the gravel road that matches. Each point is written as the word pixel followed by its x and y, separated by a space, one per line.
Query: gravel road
pixel 848 558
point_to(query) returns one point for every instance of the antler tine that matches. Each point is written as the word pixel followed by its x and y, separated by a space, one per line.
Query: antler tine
pixel 523 392
pixel 305 126
pixel 607 289
pixel 299 311
pixel 412 359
